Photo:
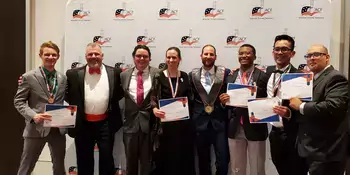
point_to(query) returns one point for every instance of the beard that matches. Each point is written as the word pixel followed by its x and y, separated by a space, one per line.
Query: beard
pixel 208 63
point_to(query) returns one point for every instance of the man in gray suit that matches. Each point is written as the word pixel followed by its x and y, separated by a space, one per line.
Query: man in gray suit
pixel 323 126
pixel 39 87
pixel 136 83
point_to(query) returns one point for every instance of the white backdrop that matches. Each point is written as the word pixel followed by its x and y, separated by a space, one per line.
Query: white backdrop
pixel 189 24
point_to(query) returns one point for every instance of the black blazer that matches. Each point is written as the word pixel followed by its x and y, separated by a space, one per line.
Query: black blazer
pixel 290 125
pixel 323 127
pixel 75 96
pixel 218 118
pixel 253 132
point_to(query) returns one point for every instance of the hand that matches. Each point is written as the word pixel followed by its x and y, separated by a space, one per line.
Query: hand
pixel 19 80
pixel 295 103
pixel 282 111
pixel 41 117
pixel 224 98
pixel 158 113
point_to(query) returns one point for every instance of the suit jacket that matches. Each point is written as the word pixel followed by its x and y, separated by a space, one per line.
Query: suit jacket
pixel 218 118
pixel 31 98
pixel 135 116
pixel 253 132
pixel 290 125
pixel 322 133
pixel 75 95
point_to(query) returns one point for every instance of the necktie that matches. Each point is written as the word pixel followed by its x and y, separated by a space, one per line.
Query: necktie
pixel 244 81
pixel 94 70
pixel 207 86
pixel 139 91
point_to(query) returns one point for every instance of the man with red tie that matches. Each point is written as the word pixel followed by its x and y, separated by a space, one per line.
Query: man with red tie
pixel 137 83
pixel 95 89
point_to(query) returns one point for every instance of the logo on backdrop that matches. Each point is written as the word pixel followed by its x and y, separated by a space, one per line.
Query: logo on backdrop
pixel 261 12
pixel 124 13
pixel 188 41
pixel 168 13
pixel 102 40
pixel 310 11
pixel 213 13
pixel 73 170
pixel 145 39
pixel 235 40
pixel 80 14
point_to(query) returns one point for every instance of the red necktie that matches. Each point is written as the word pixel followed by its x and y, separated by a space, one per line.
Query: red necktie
pixel 94 70
pixel 139 91
pixel 244 81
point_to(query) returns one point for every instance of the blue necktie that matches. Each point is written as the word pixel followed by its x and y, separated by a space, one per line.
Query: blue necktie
pixel 207 86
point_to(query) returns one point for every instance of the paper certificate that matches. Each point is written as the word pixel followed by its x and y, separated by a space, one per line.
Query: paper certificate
pixel 297 85
pixel 240 94
pixel 175 109
pixel 260 110
pixel 63 116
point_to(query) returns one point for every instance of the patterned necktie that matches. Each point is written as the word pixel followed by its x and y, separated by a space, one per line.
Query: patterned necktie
pixel 244 81
pixel 207 86
pixel 139 91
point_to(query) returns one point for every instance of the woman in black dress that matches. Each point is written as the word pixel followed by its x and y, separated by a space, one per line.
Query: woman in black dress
pixel 175 152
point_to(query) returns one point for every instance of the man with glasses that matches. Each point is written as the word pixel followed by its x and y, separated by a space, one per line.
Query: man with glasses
pixel 322 136
pixel 283 135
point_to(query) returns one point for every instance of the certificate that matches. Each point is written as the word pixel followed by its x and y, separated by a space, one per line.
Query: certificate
pixel 62 116
pixel 297 85
pixel 260 110
pixel 240 94
pixel 175 109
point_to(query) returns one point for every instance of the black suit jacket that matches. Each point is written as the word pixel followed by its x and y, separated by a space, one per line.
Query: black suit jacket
pixel 290 125
pixel 253 132
pixel 75 96
pixel 218 118
pixel 323 127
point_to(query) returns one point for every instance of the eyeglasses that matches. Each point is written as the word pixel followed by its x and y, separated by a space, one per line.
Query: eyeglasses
pixel 314 55
pixel 143 56
pixel 282 49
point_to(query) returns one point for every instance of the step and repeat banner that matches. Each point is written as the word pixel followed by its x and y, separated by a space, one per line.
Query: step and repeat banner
pixel 119 25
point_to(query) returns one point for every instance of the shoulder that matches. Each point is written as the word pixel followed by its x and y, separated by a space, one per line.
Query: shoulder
pixel 335 75
pixel 30 73
pixel 72 71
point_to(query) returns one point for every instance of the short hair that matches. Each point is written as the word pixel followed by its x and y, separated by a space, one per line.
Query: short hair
pixel 250 46
pixel 93 45
pixel 209 45
pixel 285 37
pixel 141 47
pixel 177 50
pixel 49 44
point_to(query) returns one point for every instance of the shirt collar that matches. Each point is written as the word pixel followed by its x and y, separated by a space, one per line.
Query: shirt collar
pixel 283 69
pixel 211 71
pixel 102 67
pixel 145 71
pixel 318 74
pixel 48 73
pixel 248 70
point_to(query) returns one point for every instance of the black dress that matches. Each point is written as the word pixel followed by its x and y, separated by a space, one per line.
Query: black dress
pixel 175 154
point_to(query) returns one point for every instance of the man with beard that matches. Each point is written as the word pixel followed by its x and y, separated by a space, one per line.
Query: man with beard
pixel 95 89
pixel 283 135
pixel 208 115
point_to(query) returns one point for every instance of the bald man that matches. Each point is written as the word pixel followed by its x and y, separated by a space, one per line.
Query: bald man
pixel 322 135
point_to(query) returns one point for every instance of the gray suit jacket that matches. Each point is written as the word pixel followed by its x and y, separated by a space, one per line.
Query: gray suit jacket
pixel 136 116
pixel 31 97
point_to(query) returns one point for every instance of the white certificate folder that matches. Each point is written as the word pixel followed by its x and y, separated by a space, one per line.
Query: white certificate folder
pixel 261 110
pixel 298 85
pixel 175 109
pixel 63 116
pixel 240 94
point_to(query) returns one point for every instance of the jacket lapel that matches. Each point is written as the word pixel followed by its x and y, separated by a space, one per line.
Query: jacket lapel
pixel 256 75
pixel 41 81
pixel 81 78
pixel 321 77
pixel 110 74
pixel 233 77
pixel 126 83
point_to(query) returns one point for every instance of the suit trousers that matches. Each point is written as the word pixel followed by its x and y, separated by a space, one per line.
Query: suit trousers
pixel 90 134
pixel 34 146
pixel 240 149
pixel 204 140
pixel 326 168
pixel 285 155
pixel 138 152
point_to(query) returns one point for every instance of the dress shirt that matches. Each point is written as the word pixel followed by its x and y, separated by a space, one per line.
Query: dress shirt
pixel 147 83
pixel 212 77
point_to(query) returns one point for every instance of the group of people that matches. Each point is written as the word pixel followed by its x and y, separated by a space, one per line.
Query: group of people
pixel 310 137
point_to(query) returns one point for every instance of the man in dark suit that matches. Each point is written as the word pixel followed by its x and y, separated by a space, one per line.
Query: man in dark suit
pixel 208 115
pixel 137 83
pixel 95 89
pixel 36 88
pixel 323 125
pixel 246 139
pixel 283 134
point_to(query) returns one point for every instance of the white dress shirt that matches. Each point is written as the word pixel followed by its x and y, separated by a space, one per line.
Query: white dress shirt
pixel 96 88
pixel 270 91
pixel 301 108
pixel 212 78
pixel 147 83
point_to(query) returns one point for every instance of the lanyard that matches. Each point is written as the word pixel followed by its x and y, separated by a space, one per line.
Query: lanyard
pixel 241 77
pixel 173 93
pixel 47 82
